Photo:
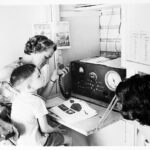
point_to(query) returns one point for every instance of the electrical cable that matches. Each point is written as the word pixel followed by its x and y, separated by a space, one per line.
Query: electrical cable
pixel 100 30
pixel 55 68
pixel 117 50
pixel 108 29
pixel 120 21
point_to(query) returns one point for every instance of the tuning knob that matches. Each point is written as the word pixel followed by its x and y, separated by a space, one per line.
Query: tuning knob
pixel 93 76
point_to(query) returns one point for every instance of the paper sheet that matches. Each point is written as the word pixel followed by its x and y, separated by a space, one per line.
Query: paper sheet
pixel 95 60
pixel 70 115
pixel 104 61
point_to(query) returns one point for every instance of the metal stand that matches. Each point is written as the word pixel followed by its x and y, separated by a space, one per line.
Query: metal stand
pixel 107 112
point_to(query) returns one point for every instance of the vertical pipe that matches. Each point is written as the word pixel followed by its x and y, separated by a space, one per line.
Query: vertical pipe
pixel 55 13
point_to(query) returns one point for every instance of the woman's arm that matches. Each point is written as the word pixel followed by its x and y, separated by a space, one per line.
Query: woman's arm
pixel 6 71
pixel 46 91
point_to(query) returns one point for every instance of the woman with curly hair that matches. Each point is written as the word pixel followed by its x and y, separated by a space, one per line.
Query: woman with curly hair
pixel 38 50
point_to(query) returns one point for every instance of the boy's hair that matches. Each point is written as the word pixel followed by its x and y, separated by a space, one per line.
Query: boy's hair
pixel 38 44
pixel 21 73
pixel 134 94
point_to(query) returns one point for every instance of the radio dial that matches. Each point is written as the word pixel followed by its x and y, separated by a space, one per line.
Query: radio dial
pixel 112 79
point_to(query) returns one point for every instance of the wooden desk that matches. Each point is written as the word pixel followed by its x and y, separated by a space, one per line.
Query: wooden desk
pixel 88 126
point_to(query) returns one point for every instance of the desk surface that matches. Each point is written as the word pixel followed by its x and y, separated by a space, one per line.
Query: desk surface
pixel 88 126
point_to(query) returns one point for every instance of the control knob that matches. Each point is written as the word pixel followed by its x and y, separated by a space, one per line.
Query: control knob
pixel 93 76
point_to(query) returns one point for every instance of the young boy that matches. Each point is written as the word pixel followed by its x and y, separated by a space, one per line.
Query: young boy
pixel 29 111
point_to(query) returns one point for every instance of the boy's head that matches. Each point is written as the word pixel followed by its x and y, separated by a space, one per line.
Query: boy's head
pixel 26 77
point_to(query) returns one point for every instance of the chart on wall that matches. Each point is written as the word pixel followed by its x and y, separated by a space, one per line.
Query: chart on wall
pixel 57 31
pixel 139 47
pixel 136 33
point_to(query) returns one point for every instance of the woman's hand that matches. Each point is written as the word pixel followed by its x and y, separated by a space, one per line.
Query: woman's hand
pixel 7 90
pixel 56 73
pixel 63 71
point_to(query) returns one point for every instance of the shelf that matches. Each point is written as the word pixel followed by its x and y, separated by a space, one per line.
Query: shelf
pixel 110 27
pixel 110 39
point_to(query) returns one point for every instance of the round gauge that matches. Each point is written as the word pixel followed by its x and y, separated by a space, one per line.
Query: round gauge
pixel 112 79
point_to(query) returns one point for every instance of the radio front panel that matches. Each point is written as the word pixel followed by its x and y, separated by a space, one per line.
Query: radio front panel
pixel 95 80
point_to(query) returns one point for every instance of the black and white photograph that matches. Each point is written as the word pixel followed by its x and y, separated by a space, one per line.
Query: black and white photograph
pixel 75 75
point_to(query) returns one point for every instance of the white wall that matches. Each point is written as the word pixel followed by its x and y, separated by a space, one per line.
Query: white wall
pixel 84 37
pixel 136 38
pixel 16 28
